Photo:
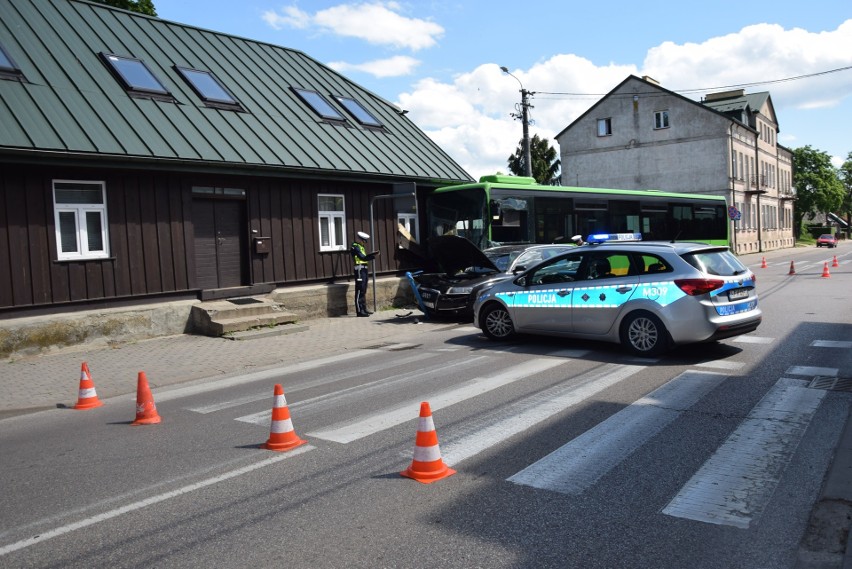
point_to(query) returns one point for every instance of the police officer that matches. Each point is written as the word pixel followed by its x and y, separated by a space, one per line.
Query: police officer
pixel 361 259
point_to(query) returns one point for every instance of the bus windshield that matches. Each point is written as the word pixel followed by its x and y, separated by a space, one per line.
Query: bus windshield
pixel 507 209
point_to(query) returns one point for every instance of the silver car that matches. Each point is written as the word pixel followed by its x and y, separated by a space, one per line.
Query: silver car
pixel 646 296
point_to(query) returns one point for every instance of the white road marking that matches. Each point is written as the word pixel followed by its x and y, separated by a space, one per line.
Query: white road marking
pixel 812 371
pixel 735 484
pixel 362 427
pixel 753 340
pixel 68 528
pixel 526 414
pixel 722 364
pixel 365 389
pixel 577 465
pixel 360 370
pixel 203 386
pixel 561 353
pixel 831 344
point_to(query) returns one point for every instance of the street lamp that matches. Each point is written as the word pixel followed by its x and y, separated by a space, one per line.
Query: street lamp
pixel 525 106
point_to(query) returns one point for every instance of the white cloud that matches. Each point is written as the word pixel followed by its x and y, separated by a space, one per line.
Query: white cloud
pixel 397 66
pixel 292 17
pixel 762 52
pixel 378 23
pixel 469 117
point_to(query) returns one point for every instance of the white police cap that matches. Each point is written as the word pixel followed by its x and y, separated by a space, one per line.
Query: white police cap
pixel 363 235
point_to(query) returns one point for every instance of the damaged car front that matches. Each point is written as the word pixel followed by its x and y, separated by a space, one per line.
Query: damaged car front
pixel 462 266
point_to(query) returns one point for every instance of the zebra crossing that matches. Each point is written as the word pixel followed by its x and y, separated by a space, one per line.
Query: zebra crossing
pixel 731 488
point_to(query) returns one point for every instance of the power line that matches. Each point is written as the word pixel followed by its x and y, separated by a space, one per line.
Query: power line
pixel 737 86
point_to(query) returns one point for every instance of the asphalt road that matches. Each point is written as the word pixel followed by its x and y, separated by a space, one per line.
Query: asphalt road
pixel 568 454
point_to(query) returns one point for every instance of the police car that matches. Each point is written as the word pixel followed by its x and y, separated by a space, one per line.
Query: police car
pixel 647 296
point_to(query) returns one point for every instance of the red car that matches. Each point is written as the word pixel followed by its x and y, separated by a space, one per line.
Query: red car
pixel 827 240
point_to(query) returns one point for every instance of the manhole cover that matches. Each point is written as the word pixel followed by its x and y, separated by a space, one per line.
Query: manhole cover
pixel 832 383
pixel 245 301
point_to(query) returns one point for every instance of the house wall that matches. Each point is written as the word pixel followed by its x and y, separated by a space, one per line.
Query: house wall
pixel 689 156
pixel 151 237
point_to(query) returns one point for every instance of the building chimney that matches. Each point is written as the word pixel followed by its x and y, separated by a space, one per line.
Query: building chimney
pixel 724 95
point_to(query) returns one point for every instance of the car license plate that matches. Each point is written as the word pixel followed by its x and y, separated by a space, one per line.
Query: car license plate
pixel 737 294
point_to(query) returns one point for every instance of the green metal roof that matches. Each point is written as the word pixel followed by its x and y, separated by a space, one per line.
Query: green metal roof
pixel 70 104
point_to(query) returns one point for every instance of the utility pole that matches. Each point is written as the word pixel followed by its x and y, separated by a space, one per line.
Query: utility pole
pixel 525 122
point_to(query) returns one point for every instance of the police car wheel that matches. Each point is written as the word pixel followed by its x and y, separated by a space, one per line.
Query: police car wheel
pixel 496 322
pixel 643 334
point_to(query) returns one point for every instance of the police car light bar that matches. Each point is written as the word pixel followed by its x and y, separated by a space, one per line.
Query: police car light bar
pixel 604 237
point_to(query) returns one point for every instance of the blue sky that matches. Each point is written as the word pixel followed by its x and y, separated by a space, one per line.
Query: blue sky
pixel 440 59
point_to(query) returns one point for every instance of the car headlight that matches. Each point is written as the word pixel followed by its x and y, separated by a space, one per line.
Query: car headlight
pixel 460 290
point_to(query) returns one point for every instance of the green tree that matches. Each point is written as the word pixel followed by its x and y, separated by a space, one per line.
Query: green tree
pixel 818 186
pixel 545 164
pixel 141 6
pixel 845 173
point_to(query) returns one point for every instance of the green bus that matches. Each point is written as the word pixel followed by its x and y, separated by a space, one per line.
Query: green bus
pixel 501 210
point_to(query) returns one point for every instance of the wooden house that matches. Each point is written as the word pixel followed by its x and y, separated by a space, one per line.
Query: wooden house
pixel 145 160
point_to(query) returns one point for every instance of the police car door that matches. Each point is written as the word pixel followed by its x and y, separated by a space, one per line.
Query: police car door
pixel 607 283
pixel 543 302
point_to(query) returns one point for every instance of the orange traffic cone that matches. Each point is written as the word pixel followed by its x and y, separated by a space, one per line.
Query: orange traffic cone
pixel 763 262
pixel 792 269
pixel 87 398
pixel 146 411
pixel 825 273
pixel 834 263
pixel 427 466
pixel 282 436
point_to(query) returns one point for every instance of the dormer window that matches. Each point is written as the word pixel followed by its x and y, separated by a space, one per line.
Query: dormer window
pixel 319 105
pixel 209 88
pixel 8 68
pixel 136 78
pixel 358 111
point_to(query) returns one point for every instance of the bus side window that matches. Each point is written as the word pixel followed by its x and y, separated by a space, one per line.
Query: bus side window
pixel 654 265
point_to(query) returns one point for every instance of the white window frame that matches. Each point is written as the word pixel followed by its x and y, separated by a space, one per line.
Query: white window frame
pixel 329 220
pixel 81 213
pixel 409 222
pixel 661 119
pixel 605 127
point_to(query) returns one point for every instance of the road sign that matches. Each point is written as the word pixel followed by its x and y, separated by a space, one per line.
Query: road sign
pixel 734 213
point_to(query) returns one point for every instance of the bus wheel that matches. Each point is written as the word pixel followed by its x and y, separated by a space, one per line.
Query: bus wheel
pixel 496 322
pixel 644 335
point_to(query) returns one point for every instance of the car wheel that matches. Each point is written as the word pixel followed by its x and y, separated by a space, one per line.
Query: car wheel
pixel 643 334
pixel 496 322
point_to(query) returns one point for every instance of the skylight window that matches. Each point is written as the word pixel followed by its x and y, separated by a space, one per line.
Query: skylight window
pixel 209 88
pixel 135 76
pixel 319 104
pixel 8 69
pixel 358 111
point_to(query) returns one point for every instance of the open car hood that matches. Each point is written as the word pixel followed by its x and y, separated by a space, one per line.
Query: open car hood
pixel 455 254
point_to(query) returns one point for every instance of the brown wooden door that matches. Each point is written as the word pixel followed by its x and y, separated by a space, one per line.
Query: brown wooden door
pixel 219 243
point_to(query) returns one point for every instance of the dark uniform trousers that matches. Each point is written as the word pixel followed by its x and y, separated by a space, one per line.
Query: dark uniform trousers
pixel 362 275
